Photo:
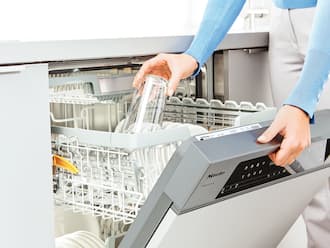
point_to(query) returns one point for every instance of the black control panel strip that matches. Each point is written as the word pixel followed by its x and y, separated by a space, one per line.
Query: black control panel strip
pixel 252 173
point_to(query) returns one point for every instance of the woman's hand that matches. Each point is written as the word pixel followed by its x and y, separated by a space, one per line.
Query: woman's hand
pixel 172 67
pixel 293 124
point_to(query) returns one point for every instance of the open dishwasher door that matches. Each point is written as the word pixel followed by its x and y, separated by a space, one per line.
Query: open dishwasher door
pixel 221 190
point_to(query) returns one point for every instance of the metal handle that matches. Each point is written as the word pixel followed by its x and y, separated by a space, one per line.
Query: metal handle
pixel 12 69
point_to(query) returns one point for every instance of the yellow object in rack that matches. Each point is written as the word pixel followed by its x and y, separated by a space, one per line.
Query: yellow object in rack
pixel 61 162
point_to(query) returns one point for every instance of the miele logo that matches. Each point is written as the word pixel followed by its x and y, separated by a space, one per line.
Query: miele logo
pixel 215 174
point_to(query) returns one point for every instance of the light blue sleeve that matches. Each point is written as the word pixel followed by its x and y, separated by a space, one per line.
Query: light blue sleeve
pixel 295 4
pixel 317 63
pixel 218 17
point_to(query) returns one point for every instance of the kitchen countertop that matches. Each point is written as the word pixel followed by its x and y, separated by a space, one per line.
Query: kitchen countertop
pixel 18 52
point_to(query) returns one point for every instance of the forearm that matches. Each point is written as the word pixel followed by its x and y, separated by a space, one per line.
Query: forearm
pixel 218 17
pixel 317 63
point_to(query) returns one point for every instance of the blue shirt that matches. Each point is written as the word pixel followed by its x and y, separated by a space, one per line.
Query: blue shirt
pixel 218 18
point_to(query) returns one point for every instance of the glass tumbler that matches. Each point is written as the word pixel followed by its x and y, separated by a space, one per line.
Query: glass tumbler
pixel 146 111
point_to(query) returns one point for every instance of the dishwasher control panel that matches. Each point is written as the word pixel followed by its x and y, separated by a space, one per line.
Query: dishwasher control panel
pixel 252 173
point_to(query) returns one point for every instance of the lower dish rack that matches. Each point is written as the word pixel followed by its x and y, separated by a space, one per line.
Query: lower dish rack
pixel 117 171
pixel 106 184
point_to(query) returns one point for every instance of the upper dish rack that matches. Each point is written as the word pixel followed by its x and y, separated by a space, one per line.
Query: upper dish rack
pixel 88 86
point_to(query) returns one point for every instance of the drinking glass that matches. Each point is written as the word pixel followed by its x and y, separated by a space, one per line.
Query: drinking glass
pixel 146 111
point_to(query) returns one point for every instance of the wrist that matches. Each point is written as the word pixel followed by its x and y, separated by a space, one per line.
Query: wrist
pixel 297 109
pixel 193 62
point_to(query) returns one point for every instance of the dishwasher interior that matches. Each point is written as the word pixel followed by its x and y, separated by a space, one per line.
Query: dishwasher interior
pixel 116 172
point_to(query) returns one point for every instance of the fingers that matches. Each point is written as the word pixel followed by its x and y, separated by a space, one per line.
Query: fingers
pixel 270 132
pixel 157 66
pixel 289 150
pixel 138 80
pixel 293 124
pixel 172 67
pixel 284 156
pixel 173 83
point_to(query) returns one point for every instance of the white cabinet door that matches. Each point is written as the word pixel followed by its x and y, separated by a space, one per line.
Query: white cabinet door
pixel 26 208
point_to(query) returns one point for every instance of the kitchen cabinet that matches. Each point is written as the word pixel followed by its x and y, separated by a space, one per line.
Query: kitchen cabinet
pixel 26 211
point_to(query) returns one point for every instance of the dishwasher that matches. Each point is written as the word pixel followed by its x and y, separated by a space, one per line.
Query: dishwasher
pixel 200 181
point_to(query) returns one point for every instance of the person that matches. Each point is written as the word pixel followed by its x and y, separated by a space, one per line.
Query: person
pixel 299 56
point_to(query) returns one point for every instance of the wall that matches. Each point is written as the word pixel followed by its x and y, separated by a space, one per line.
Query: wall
pixel 62 19
pixel 65 20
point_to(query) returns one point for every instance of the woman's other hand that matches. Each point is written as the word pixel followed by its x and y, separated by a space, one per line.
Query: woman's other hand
pixel 293 124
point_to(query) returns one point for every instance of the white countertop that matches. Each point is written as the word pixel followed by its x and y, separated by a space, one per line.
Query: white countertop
pixel 16 52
